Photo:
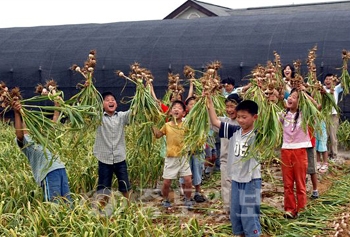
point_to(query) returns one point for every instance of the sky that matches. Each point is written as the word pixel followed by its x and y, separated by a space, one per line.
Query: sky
pixel 27 13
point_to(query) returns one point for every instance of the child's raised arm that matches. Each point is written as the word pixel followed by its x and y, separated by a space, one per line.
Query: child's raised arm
pixel 18 120
pixel 212 114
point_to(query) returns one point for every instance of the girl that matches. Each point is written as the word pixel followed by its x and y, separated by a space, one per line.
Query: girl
pixel 294 157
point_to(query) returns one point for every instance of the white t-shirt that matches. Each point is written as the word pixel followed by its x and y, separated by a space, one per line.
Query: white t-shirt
pixel 337 90
pixel 239 168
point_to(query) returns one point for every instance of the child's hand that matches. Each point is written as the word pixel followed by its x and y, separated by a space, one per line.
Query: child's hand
pixel 16 105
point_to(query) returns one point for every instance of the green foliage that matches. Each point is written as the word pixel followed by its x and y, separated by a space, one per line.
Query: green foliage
pixel 343 134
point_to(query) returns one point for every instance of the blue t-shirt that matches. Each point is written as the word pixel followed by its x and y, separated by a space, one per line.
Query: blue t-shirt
pixel 40 163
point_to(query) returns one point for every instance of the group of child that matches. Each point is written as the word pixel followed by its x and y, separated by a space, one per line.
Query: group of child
pixel 240 177
pixel 109 148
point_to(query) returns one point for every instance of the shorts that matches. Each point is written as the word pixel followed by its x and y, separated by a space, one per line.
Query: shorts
pixel 176 166
pixel 105 175
pixel 311 164
pixel 55 185
pixel 196 164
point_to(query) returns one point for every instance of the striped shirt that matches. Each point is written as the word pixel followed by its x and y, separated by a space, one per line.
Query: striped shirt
pixel 40 163
pixel 109 147
pixel 224 141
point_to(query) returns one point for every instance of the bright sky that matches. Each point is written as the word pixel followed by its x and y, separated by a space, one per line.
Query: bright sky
pixel 18 13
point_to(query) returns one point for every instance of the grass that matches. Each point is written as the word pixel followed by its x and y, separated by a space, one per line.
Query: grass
pixel 22 212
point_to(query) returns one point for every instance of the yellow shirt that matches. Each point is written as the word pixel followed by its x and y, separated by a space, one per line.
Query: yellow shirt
pixel 174 138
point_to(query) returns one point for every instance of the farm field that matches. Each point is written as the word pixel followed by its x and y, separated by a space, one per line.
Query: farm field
pixel 22 213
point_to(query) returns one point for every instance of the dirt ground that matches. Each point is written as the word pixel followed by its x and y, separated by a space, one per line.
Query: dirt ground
pixel 212 211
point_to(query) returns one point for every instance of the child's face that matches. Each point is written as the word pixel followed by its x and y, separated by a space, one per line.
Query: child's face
pixel 231 110
pixel 190 105
pixel 177 111
pixel 292 101
pixel 109 104
pixel 328 82
pixel 287 71
pixel 245 119
pixel 228 87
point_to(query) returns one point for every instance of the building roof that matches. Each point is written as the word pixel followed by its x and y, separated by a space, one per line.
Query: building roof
pixel 292 8
pixel 32 55
pixel 206 8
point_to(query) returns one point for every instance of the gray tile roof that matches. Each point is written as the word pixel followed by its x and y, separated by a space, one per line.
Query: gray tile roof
pixel 218 10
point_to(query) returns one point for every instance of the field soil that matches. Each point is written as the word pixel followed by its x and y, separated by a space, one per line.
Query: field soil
pixel 211 211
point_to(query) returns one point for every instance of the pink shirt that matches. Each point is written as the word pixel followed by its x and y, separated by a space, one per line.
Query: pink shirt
pixel 294 136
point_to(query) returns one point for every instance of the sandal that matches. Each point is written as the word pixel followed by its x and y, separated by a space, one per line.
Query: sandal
pixel 324 168
pixel 318 165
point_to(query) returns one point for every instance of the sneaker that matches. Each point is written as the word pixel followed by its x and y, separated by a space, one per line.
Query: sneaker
pixel 314 194
pixel 189 204
pixel 324 168
pixel 199 198
pixel 289 215
pixel 166 204
pixel 209 170
pixel 318 165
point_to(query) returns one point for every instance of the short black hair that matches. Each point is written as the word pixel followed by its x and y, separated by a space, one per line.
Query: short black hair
pixel 249 106
pixel 178 102
pixel 228 80
pixel 328 75
pixel 105 94
pixel 233 98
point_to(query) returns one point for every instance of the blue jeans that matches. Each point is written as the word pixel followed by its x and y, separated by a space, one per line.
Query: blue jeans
pixel 217 161
pixel 105 175
pixel 245 208
pixel 55 185
pixel 196 165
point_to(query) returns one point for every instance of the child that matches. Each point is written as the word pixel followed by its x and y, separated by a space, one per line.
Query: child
pixel 331 87
pixel 321 149
pixel 175 163
pixel 230 103
pixel 196 163
pixel 109 147
pixel 311 167
pixel 244 172
pixel 294 157
pixel 49 172
pixel 210 154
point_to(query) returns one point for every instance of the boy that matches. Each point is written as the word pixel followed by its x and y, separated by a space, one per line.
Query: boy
pixel 48 171
pixel 230 104
pixel 175 163
pixel 331 87
pixel 244 172
pixel 109 147
pixel 196 163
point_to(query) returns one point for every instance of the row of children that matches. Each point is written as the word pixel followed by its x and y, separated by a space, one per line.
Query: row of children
pixel 241 178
